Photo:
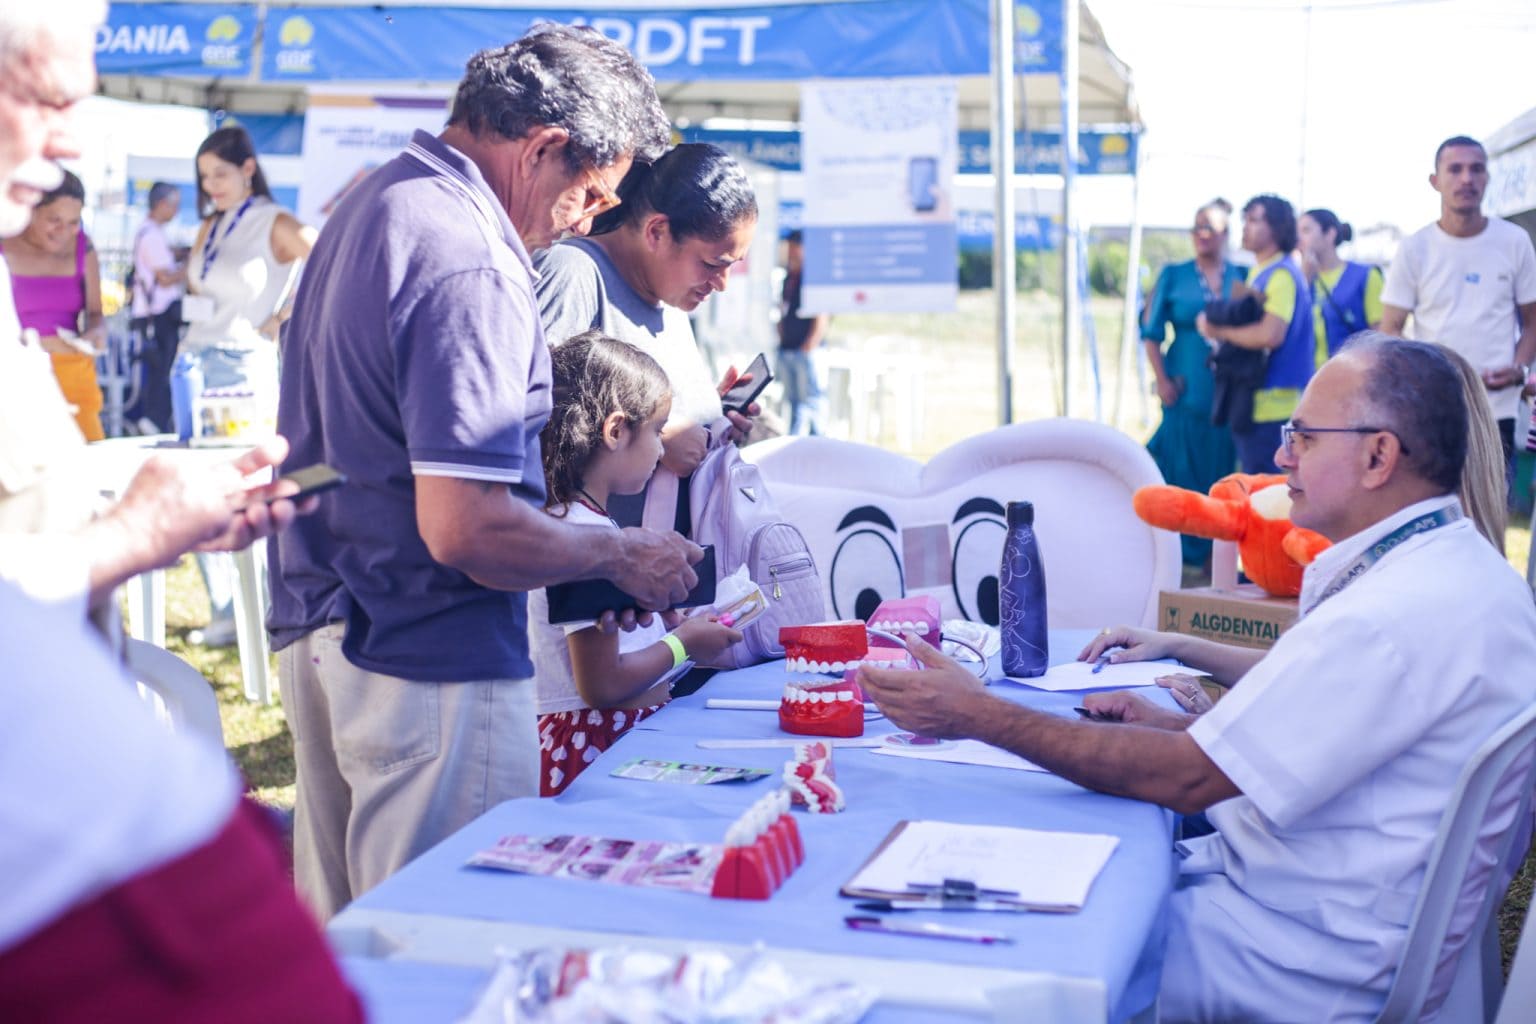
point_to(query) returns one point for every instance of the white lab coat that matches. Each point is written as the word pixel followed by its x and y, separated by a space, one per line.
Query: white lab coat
pixel 1346 741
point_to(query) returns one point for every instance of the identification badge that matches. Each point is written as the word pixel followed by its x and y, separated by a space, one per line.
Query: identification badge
pixel 196 308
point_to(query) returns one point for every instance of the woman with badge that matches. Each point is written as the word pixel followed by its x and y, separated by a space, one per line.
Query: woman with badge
pixel 241 277
pixel 656 250
pixel 1191 451
pixel 1346 296
pixel 56 282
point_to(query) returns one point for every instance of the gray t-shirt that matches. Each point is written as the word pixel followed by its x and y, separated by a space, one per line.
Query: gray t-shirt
pixel 579 289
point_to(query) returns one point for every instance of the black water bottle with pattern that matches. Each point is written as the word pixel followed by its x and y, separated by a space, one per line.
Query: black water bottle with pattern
pixel 1021 596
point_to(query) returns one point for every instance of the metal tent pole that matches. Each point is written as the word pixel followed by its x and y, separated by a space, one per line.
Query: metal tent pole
pixel 1004 262
pixel 1130 337
pixel 1071 310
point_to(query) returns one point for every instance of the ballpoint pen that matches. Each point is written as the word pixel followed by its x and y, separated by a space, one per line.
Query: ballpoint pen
pixel 935 903
pixel 928 931
pixel 1099 663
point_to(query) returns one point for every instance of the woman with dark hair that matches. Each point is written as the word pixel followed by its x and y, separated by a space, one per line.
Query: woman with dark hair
pixel 1283 332
pixel 676 228
pixel 241 275
pixel 56 280
pixel 1346 295
pixel 1192 452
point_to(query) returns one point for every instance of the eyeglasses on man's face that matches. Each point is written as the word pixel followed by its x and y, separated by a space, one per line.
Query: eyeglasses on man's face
pixel 600 198
pixel 1297 440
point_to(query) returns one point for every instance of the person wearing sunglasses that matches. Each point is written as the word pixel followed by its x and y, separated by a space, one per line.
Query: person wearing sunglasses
pixel 415 365
pixel 648 261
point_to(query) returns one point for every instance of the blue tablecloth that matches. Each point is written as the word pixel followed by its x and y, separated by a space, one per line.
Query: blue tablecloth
pixel 1117 937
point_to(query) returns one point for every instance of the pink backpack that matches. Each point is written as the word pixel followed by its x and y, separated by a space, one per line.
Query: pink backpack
pixel 732 510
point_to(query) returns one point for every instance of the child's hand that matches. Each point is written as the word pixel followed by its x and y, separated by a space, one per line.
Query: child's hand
pixel 704 637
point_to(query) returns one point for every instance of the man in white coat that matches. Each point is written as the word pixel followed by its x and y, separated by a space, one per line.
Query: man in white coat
pixel 1327 770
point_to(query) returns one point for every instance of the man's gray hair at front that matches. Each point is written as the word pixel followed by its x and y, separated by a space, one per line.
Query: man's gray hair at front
pixel 23 23
pixel 1413 390
pixel 571 78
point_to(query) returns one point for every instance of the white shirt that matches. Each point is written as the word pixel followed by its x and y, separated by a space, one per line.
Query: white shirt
pixel 93 790
pixel 245 280
pixel 152 252
pixel 1346 741
pixel 547 644
pixel 1463 293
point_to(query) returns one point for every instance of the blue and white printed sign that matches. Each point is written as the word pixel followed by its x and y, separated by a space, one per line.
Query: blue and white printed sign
pixel 177 39
pixel 879 159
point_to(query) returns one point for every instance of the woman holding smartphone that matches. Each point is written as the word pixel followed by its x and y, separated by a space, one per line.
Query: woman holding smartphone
pixel 56 281
pixel 241 276
pixel 663 245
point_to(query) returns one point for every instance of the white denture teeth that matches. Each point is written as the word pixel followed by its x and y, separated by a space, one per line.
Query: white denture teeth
pixel 844 695
pixel 838 666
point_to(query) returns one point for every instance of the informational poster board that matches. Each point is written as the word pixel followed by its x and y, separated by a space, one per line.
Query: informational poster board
pixel 348 134
pixel 879 159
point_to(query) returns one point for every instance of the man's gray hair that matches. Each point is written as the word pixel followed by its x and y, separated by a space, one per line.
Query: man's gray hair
pixel 1414 390
pixel 23 24
pixel 571 78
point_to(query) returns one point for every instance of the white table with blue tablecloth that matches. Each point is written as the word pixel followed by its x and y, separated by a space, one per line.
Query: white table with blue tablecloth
pixel 425 933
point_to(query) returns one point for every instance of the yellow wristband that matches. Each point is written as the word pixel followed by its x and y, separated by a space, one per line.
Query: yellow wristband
pixel 679 653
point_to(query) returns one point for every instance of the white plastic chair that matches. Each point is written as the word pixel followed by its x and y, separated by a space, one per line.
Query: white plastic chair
pixel 1476 986
pixel 179 693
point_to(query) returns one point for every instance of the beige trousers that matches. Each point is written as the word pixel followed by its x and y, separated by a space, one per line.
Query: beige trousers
pixel 388 767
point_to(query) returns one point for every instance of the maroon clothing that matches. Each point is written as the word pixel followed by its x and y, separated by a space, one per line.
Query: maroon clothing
pixel 215 935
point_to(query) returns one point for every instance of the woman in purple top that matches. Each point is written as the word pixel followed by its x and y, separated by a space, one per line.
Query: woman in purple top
pixel 57 285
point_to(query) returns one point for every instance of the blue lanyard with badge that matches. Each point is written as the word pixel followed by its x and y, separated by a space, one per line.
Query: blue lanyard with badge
pixel 1379 550
pixel 211 244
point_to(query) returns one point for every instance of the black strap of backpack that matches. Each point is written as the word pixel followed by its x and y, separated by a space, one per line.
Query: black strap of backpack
pixel 682 522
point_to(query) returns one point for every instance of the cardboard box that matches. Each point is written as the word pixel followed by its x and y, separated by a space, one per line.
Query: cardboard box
pixel 1245 615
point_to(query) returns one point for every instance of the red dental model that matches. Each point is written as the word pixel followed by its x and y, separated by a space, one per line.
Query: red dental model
pixel 830 709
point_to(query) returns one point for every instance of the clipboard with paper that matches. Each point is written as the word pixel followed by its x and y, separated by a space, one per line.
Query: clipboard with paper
pixel 1039 870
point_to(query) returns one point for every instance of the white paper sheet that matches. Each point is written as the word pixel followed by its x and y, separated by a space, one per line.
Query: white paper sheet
pixel 1079 675
pixel 1053 869
pixel 964 752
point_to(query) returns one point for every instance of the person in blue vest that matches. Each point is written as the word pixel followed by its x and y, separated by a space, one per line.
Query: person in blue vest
pixel 1284 331
pixel 1346 296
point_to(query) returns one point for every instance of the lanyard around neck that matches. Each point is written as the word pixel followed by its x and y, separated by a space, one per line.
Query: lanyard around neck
pixel 1383 547
pixel 210 250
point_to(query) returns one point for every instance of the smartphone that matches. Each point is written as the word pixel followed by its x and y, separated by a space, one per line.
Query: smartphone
pixel 586 600
pixel 744 392
pixel 316 479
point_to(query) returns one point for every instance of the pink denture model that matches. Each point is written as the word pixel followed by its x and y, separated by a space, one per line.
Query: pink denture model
pixel 920 615
pixel 830 709
pixel 811 780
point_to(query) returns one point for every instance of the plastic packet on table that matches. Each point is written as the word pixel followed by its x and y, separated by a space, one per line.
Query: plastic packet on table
pixel 631 986
pixel 738 600
pixel 983 637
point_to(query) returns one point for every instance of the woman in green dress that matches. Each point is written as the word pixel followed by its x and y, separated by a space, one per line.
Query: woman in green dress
pixel 1191 452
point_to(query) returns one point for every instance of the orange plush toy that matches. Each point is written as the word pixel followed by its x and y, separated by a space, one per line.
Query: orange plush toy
pixel 1253 510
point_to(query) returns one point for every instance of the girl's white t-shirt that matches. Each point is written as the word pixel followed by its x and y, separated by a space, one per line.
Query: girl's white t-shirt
pixel 552 655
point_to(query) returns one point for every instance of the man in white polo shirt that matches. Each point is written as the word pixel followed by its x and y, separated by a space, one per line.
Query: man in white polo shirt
pixel 1470 283
pixel 1327 769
